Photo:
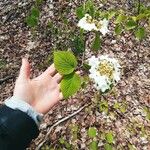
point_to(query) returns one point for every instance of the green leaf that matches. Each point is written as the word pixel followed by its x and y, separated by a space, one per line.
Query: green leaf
pixel 120 19
pixel 92 10
pixel 140 33
pixel 130 24
pixel 35 12
pixel 111 14
pixel 31 21
pixel 92 132
pixel 93 145
pixel 107 146
pixel 39 2
pixel 65 62
pixel 118 29
pixel 103 106
pixel 90 7
pixel 97 42
pixel 109 137
pixel 80 12
pixel 70 84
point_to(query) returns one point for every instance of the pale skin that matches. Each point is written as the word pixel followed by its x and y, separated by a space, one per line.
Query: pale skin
pixel 42 92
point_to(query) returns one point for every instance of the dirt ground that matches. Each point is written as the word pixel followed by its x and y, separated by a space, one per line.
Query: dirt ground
pixel 130 125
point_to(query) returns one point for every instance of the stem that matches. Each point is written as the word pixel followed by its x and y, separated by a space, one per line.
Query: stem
pixel 83 55
pixel 138 11
pixel 139 7
pixel 85 39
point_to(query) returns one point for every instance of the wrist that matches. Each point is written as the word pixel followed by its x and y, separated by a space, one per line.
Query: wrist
pixel 19 104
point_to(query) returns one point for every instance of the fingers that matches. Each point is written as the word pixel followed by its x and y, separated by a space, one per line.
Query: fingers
pixel 78 72
pixel 50 70
pixel 57 77
pixel 61 96
pixel 25 69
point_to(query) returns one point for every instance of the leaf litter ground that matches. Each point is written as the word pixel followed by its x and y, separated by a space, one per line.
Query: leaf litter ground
pixel 125 111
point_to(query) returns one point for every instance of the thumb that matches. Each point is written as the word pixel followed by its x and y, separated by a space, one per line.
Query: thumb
pixel 25 69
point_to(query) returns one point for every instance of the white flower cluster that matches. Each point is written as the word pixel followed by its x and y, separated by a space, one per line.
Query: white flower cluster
pixel 104 72
pixel 88 23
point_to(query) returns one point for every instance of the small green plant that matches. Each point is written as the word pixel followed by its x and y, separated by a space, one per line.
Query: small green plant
pixel 103 106
pixel 108 146
pixel 33 18
pixel 93 145
pixel 122 107
pixel 109 137
pixel 87 13
pixel 66 144
pixel 109 140
pixel 74 131
pixel 92 133
pixel 66 63
pixel 133 23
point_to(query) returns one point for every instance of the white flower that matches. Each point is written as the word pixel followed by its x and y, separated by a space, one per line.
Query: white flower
pixel 104 72
pixel 103 26
pixel 86 23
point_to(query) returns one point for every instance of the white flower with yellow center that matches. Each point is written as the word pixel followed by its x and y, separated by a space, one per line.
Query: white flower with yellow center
pixel 104 72
pixel 102 26
pixel 86 23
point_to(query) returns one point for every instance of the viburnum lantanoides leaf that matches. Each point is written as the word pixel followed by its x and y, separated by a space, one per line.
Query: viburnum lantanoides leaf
pixel 65 62
pixel 70 84
pixel 130 24
pixel 118 29
pixel 140 33
pixel 120 19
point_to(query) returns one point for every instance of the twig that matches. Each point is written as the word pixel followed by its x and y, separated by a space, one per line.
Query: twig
pixel 6 78
pixel 59 122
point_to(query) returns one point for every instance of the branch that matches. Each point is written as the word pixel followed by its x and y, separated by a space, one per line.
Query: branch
pixel 59 122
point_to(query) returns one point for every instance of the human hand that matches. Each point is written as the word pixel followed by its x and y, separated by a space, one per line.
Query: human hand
pixel 42 92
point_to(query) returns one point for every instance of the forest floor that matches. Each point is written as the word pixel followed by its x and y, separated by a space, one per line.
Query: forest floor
pixel 129 122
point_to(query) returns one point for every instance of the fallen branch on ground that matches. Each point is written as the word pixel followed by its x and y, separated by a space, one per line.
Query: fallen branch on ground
pixel 60 121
